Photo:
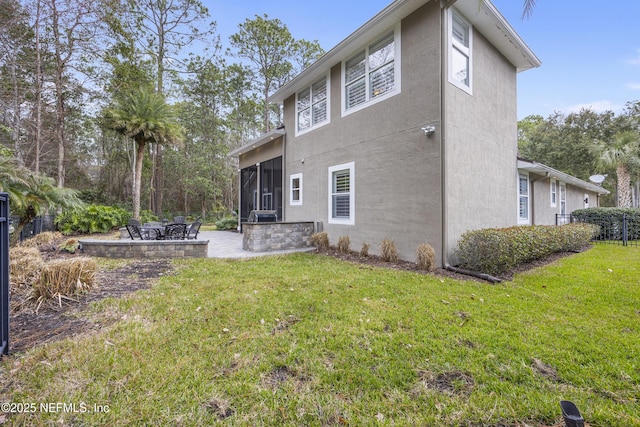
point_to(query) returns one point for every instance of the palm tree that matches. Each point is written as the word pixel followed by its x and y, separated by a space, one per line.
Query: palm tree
pixel 32 194
pixel 145 117
pixel 623 154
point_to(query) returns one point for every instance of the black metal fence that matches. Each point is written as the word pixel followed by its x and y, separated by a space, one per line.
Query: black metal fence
pixel 4 273
pixel 37 226
pixel 621 230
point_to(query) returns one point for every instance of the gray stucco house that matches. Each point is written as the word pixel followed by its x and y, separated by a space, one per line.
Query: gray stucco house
pixel 407 130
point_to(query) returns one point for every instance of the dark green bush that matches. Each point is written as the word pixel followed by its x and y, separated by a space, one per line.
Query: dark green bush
pixel 498 250
pixel 227 223
pixel 610 221
pixel 92 219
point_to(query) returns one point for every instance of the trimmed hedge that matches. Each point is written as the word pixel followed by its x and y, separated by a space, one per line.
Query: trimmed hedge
pixel 498 250
pixel 610 221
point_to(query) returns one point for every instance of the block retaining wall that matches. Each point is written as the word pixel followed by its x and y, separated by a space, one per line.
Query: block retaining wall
pixel 145 248
pixel 276 236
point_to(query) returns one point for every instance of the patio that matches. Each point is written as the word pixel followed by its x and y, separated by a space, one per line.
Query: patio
pixel 228 244
pixel 215 244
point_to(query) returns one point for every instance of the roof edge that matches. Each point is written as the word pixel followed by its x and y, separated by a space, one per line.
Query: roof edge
pixel 539 168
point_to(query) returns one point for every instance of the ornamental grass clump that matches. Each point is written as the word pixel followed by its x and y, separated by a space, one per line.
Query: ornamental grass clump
pixel 64 278
pixel 25 264
pixel 426 257
pixel 364 251
pixel 343 244
pixel 320 240
pixel 498 250
pixel 388 251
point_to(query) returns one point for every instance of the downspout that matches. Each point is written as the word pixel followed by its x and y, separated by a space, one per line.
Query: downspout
pixel 443 131
pixel 285 183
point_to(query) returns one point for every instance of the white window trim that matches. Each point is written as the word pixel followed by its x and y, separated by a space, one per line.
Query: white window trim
pixel 450 46
pixel 293 202
pixel 397 65
pixel 328 101
pixel 352 207
pixel 553 192
pixel 527 220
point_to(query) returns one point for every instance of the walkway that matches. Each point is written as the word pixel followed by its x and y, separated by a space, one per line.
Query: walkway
pixel 228 244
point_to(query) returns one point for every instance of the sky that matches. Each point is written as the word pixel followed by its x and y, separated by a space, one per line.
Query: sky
pixel 590 52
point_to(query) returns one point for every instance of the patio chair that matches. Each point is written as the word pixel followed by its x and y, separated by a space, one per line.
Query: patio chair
pixel 175 231
pixel 179 220
pixel 192 233
pixel 134 232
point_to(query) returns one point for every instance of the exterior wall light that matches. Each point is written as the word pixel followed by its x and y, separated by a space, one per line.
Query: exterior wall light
pixel 428 130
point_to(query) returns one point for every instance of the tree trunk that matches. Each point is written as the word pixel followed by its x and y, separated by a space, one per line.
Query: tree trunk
pixel 38 91
pixel 59 89
pixel 138 179
pixel 624 186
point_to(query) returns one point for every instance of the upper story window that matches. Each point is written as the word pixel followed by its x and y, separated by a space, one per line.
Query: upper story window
pixel 312 106
pixel 460 47
pixel 373 73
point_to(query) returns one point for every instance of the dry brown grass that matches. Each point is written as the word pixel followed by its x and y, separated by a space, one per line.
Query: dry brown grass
pixel 63 279
pixel 426 257
pixel 364 252
pixel 25 263
pixel 344 244
pixel 46 238
pixel 388 251
pixel 320 240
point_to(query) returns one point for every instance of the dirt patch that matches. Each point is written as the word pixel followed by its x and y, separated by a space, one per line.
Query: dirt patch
pixel 451 383
pixel 62 318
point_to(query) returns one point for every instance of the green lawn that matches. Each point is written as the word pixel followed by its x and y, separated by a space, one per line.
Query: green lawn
pixel 309 340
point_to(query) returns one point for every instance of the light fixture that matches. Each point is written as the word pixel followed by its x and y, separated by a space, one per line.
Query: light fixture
pixel 428 130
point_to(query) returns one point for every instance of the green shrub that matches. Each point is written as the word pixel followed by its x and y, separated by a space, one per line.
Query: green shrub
pixel 227 223
pixel 498 250
pixel 92 219
pixel 610 221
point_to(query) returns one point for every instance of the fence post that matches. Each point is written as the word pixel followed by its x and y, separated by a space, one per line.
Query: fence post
pixel 625 230
pixel 4 273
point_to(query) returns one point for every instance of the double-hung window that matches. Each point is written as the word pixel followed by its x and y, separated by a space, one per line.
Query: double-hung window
pixel 373 73
pixel 523 198
pixel 295 186
pixel 553 190
pixel 563 198
pixel 341 194
pixel 460 47
pixel 312 106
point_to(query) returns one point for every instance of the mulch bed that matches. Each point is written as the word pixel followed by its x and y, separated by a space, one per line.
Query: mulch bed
pixel 55 321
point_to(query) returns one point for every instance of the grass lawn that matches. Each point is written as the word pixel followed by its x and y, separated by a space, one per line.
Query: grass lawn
pixel 305 339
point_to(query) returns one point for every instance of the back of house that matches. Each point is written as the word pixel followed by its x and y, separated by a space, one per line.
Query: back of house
pixel 405 130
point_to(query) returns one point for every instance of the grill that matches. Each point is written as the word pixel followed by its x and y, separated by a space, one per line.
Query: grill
pixel 263 216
